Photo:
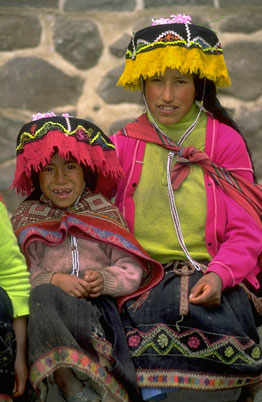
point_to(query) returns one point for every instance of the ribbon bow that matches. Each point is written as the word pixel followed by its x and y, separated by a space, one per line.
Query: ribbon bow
pixel 185 157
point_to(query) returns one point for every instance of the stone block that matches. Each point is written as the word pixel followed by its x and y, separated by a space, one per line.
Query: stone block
pixel 78 41
pixel 30 83
pixel 244 61
pixel 30 3
pixel 243 23
pixel 111 93
pixel 116 5
pixel 19 32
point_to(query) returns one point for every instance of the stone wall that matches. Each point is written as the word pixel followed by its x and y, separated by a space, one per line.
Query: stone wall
pixel 66 56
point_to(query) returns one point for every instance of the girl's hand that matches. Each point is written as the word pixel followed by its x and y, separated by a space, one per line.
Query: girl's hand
pixel 71 284
pixel 96 282
pixel 207 291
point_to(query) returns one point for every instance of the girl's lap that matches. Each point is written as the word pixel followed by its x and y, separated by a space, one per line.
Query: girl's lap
pixel 210 343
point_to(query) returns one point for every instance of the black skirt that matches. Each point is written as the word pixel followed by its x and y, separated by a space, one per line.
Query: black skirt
pixel 83 334
pixel 203 349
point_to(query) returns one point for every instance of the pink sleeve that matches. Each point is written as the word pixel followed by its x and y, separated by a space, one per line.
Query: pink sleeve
pixel 238 252
pixel 238 238
pixel 38 274
pixel 124 275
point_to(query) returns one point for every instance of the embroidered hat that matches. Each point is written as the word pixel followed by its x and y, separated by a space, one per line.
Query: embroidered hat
pixel 175 43
pixel 70 136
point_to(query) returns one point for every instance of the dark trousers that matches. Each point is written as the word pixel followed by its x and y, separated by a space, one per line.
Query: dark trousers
pixel 7 344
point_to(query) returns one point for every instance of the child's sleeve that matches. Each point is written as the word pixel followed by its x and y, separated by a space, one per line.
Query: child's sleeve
pixel 38 274
pixel 124 275
pixel 14 276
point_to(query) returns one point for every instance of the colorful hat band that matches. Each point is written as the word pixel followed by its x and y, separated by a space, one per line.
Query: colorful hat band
pixel 81 130
pixel 188 48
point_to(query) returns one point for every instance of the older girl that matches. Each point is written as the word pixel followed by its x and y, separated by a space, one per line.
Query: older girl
pixel 189 198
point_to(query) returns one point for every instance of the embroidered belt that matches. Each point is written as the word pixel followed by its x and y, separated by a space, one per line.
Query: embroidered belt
pixel 183 269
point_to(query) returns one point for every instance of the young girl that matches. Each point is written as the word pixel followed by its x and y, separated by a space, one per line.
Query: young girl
pixel 14 309
pixel 80 256
pixel 189 198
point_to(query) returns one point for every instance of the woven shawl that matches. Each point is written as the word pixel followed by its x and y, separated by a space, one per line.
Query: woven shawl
pixel 95 217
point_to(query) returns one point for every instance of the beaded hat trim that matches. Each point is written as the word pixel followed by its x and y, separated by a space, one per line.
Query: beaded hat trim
pixel 81 132
pixel 181 45
pixel 39 139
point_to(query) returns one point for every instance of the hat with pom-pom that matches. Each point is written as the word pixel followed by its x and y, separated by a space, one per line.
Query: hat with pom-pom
pixel 47 133
pixel 174 43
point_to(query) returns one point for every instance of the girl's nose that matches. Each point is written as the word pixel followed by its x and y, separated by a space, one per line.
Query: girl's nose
pixel 60 176
pixel 168 93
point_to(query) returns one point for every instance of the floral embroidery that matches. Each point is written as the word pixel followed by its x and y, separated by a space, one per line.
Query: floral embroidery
pixel 40 366
pixel 197 381
pixel 33 128
pixel 229 351
pixel 84 361
pixel 66 357
pixel 134 340
pixel 162 340
pixel 193 342
pixel 48 361
pixel 256 353
pixel 75 356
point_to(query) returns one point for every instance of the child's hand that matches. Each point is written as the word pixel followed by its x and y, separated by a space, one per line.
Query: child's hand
pixel 71 284
pixel 20 376
pixel 21 371
pixel 96 282
pixel 207 290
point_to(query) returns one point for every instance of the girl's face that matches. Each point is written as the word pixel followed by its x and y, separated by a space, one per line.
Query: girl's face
pixel 62 181
pixel 170 96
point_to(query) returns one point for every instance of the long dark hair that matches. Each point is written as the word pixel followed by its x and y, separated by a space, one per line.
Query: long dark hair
pixel 206 91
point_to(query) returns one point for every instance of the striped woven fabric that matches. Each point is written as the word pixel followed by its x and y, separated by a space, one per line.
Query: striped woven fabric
pixel 245 193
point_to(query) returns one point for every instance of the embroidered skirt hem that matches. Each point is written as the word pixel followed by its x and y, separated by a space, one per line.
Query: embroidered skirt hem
pixel 207 348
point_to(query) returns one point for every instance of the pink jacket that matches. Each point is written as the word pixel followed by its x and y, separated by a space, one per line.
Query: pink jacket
pixel 233 238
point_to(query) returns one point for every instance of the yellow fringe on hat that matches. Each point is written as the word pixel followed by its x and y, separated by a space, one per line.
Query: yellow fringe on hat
pixel 155 61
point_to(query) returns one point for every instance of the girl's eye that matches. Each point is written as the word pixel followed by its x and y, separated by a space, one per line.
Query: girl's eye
pixel 154 79
pixel 70 166
pixel 181 81
pixel 47 169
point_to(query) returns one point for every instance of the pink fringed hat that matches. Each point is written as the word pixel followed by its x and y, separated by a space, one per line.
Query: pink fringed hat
pixel 46 133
